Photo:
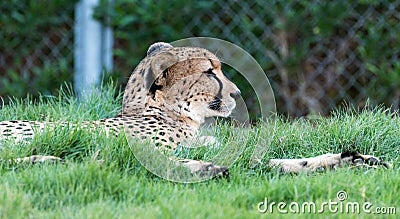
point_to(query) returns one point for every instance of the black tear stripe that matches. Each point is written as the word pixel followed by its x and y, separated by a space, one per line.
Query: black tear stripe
pixel 216 103
pixel 219 94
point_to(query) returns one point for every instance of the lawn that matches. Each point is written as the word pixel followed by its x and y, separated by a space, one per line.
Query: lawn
pixel 120 187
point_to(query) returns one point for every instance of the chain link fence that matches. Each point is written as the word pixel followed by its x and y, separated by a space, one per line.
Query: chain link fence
pixel 36 47
pixel 317 54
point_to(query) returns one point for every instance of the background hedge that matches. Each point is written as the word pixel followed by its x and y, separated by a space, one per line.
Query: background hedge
pixel 317 54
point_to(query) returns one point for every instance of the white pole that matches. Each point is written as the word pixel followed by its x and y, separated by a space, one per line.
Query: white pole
pixel 92 49
pixel 107 47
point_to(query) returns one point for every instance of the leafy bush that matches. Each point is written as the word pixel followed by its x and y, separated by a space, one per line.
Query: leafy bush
pixel 317 54
pixel 138 24
pixel 36 46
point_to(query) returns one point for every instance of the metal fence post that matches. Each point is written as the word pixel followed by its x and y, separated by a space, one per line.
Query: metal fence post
pixel 92 47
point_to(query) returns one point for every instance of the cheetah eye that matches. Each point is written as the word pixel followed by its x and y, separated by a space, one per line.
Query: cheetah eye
pixel 209 72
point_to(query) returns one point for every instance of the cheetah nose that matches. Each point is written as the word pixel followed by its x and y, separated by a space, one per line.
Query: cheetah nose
pixel 235 95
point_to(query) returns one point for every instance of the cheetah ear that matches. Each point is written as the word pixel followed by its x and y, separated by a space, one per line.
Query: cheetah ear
pixel 159 63
pixel 157 47
pixel 162 61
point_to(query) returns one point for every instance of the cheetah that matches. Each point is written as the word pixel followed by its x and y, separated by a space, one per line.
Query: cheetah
pixel 167 98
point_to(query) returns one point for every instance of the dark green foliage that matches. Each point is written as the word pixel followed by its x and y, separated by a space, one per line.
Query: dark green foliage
pixel 36 46
pixel 138 24
pixel 316 54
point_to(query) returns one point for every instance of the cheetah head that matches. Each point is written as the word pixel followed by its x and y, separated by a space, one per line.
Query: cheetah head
pixel 197 88
pixel 188 82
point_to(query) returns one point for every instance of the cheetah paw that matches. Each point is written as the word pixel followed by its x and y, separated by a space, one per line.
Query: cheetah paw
pixel 35 159
pixel 327 161
pixel 203 169
pixel 357 159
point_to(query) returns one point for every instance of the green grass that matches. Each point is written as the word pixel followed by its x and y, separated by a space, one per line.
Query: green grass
pixel 121 188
